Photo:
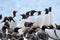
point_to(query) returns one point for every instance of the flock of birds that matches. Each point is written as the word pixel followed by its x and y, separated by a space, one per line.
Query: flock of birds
pixel 31 27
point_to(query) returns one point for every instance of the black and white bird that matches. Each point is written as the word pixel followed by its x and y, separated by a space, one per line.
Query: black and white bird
pixel 18 34
pixel 16 29
pixel 46 11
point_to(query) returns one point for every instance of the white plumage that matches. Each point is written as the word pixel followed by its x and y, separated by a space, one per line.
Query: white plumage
pixel 44 20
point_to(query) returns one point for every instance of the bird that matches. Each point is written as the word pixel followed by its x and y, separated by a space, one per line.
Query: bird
pixel 17 32
pixel 4 27
pixel 25 31
pixel 32 12
pixel 50 9
pixel 39 13
pixel 49 19
pixel 11 19
pixel 44 27
pixel 14 13
pixel 28 24
pixel 16 29
pixel 7 24
pixel 23 16
pixel 33 30
pixel 5 18
pixel 27 14
pixel 46 11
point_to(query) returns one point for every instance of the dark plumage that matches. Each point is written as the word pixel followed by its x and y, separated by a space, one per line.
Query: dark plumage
pixel 32 12
pixel 31 31
pixel 51 27
pixel 28 24
pixel 42 36
pixel 23 16
pixel 11 19
pixel 4 28
pixel 14 13
pixel 27 14
pixel 16 29
pixel 8 18
pixel 35 28
pixel 1 35
pixel 26 30
pixel 5 18
pixel 44 27
pixel 21 37
pixel 7 24
pixel 50 9
pixel 46 11
pixel 0 16
pixel 57 26
pixel 39 13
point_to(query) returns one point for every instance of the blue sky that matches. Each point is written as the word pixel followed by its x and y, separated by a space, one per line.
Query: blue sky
pixel 22 6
